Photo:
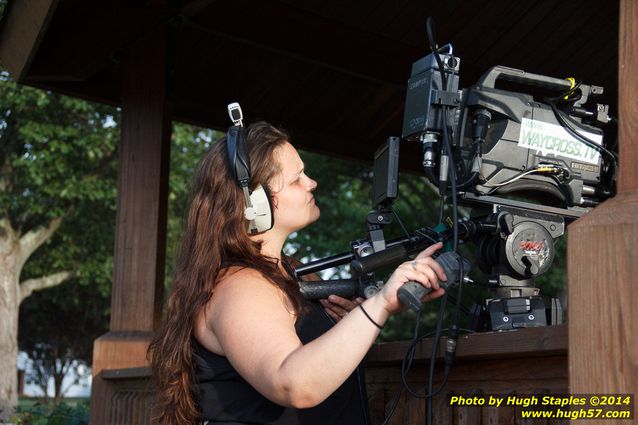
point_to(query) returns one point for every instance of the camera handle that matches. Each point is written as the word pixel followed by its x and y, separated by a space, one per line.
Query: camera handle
pixel 411 292
pixel 346 288
pixel 500 72
pixel 316 290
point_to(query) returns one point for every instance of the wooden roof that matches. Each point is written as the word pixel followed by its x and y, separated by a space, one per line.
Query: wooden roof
pixel 332 71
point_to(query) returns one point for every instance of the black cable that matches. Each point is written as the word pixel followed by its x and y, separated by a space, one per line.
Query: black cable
pixel 410 354
pixel 395 402
pixel 446 138
pixel 435 349
pixel 576 134
pixel 409 357
pixel 441 207
pixel 429 28
pixel 455 230
pixel 407 363
pixel 446 141
pixel 453 333
pixel 431 176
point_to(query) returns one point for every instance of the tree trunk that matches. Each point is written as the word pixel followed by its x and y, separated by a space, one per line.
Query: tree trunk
pixel 14 252
pixel 58 377
pixel 9 305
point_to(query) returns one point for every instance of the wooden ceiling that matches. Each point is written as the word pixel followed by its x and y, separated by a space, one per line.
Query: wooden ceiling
pixel 333 72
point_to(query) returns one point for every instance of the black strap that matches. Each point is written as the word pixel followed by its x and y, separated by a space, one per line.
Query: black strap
pixel 237 156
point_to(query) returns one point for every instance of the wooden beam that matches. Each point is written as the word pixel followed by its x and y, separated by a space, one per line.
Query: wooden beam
pixel 628 96
pixel 142 189
pixel 23 27
pixel 140 234
pixel 602 256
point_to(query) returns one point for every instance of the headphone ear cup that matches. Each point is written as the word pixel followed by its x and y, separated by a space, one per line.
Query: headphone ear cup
pixel 264 217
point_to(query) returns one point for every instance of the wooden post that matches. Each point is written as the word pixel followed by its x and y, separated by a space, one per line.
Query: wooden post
pixel 138 275
pixel 603 255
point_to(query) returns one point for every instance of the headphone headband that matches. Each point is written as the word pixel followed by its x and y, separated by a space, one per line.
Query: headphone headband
pixel 237 155
pixel 258 209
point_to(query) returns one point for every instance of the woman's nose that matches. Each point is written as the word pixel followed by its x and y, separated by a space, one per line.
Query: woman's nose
pixel 312 184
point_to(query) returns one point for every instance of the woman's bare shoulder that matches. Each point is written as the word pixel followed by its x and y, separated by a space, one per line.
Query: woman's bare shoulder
pixel 240 290
pixel 239 277
pixel 240 285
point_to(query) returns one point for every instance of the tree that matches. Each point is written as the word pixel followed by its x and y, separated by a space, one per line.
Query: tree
pixel 57 328
pixel 57 174
pixel 81 306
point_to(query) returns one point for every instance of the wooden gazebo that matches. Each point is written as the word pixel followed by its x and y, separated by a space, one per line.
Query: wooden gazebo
pixel 335 73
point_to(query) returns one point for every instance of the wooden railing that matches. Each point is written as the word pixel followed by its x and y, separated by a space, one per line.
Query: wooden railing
pixel 519 362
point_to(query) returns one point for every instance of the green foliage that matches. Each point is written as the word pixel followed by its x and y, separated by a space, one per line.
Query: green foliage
pixel 57 150
pixel 58 158
pixel 60 414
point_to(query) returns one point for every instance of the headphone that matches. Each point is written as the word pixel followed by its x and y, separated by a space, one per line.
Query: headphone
pixel 258 210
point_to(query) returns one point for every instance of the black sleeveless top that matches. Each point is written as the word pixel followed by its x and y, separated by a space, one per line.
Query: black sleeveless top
pixel 226 398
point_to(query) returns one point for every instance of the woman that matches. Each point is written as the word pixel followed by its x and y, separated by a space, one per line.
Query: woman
pixel 239 344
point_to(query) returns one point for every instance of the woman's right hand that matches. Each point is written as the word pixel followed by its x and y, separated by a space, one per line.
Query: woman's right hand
pixel 423 269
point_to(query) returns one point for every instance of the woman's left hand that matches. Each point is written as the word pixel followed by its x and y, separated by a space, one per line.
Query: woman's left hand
pixel 337 307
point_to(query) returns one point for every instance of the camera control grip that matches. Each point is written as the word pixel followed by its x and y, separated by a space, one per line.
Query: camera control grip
pixel 412 292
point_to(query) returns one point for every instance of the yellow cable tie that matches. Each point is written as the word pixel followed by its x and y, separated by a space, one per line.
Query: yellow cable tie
pixel 572 82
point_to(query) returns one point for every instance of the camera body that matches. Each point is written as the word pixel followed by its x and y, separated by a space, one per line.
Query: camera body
pixel 525 166
pixel 507 143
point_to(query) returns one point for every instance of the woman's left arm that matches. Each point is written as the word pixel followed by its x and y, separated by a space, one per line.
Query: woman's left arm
pixel 336 307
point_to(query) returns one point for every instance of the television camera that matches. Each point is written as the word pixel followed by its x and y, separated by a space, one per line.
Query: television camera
pixel 523 166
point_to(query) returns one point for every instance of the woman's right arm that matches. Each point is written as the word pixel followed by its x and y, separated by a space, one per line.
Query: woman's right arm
pixel 254 326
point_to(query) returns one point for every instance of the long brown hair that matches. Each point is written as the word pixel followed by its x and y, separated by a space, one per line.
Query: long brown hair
pixel 215 232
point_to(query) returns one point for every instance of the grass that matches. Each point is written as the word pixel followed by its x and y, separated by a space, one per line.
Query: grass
pixel 28 402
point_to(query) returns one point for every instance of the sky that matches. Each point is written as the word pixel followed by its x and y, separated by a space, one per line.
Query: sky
pixel 76 390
